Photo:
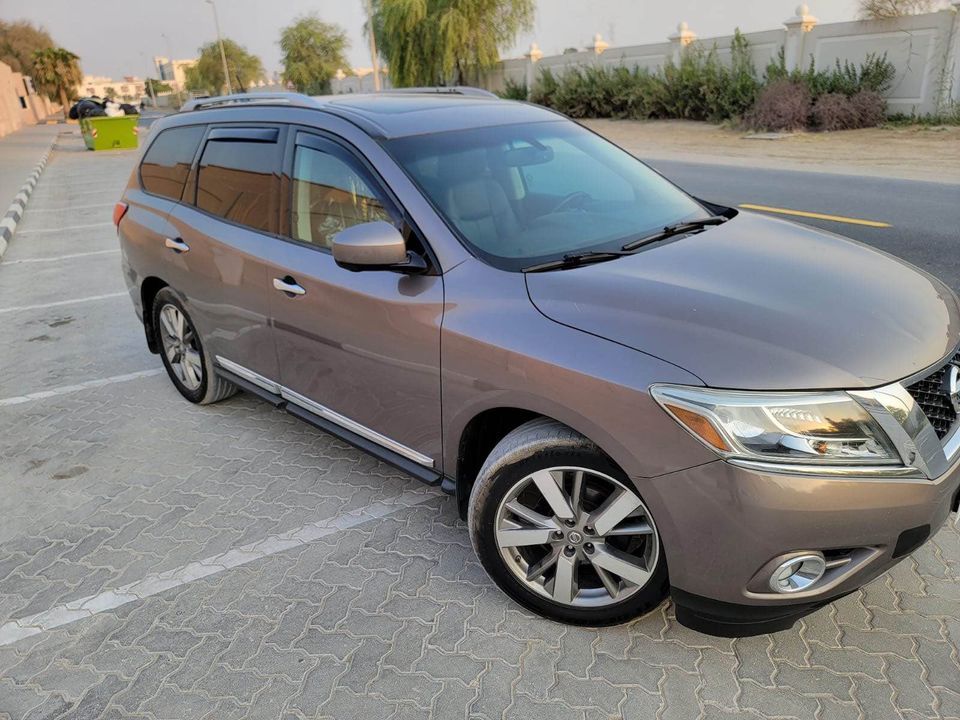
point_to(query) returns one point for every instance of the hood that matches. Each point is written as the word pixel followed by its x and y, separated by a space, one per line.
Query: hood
pixel 762 304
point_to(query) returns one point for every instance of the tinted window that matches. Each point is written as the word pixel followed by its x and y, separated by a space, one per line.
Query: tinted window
pixel 330 193
pixel 167 163
pixel 239 181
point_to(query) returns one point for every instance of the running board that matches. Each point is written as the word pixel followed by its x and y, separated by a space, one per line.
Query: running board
pixel 425 475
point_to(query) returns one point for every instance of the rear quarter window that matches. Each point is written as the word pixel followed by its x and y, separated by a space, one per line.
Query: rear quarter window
pixel 166 165
pixel 240 182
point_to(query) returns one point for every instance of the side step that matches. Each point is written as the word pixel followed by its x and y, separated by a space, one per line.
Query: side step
pixel 426 475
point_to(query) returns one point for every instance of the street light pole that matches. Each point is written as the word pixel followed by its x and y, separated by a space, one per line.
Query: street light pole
pixel 151 91
pixel 223 55
pixel 373 47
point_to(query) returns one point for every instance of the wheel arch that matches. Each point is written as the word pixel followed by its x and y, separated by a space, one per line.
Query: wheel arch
pixel 482 432
pixel 148 292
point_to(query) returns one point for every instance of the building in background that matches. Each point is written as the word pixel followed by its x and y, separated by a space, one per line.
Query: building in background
pixel 129 89
pixel 19 102
pixel 174 72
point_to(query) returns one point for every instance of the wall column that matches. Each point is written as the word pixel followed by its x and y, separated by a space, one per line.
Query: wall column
pixel 533 56
pixel 679 40
pixel 797 28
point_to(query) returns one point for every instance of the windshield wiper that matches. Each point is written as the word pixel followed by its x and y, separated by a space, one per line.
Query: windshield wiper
pixel 673 230
pixel 572 260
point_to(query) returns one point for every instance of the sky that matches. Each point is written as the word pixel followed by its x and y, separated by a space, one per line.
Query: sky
pixel 120 37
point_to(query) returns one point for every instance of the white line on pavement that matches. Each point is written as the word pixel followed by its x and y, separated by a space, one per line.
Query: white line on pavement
pixel 67 389
pixel 73 193
pixel 155 583
pixel 63 229
pixel 56 258
pixel 61 302
pixel 71 207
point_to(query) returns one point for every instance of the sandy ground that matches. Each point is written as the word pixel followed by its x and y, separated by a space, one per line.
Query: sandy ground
pixel 910 153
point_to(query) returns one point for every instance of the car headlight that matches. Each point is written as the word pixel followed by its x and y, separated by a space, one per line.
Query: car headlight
pixel 811 428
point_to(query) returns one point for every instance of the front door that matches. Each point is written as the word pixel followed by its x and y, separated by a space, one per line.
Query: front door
pixel 361 349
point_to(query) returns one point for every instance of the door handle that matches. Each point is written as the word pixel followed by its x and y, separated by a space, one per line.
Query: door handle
pixel 288 285
pixel 177 245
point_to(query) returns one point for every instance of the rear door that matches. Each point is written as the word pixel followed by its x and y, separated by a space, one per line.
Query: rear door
pixel 150 198
pixel 361 349
pixel 228 216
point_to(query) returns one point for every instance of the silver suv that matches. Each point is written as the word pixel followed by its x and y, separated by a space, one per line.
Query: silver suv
pixel 631 392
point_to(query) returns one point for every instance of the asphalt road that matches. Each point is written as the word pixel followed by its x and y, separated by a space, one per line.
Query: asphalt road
pixel 924 217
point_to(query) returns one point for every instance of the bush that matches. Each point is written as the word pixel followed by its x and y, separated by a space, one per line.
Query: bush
pixel 781 105
pixel 834 111
pixel 870 107
pixel 875 74
pixel 513 90
pixel 701 87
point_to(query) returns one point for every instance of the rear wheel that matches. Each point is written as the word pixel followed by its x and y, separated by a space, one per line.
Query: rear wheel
pixel 563 532
pixel 188 366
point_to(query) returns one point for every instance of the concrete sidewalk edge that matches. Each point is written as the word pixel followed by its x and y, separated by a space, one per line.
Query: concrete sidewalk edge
pixel 8 225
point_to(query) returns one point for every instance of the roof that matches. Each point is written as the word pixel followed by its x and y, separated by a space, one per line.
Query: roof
pixel 392 114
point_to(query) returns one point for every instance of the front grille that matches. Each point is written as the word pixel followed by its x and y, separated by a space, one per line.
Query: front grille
pixel 934 400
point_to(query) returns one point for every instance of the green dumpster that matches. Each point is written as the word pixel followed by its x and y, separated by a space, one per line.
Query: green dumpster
pixel 110 133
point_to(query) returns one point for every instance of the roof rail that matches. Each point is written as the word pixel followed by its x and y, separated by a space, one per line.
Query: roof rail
pixel 444 90
pixel 245 99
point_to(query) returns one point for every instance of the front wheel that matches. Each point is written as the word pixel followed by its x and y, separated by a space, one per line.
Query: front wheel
pixel 560 529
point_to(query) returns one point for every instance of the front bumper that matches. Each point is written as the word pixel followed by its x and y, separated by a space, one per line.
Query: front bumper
pixel 725 527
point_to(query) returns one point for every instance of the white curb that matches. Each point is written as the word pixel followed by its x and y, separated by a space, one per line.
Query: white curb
pixel 8 225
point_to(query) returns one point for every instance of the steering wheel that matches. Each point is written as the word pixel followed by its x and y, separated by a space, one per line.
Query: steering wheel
pixel 574 199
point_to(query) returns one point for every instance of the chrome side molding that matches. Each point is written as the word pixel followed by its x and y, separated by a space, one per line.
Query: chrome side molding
pixel 324 412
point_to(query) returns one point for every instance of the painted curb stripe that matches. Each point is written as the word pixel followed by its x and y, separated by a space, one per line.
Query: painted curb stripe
pixel 14 214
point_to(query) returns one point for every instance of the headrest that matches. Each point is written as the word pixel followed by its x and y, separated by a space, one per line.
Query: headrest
pixel 467 165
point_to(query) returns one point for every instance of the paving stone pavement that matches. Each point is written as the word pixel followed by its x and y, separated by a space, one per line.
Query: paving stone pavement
pixel 381 616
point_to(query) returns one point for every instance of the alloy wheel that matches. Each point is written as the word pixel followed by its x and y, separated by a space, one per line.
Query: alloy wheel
pixel 577 536
pixel 181 347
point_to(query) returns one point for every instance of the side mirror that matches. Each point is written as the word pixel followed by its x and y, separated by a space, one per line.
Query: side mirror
pixel 375 246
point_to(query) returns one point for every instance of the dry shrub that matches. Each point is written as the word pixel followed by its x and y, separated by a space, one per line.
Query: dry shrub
pixel 834 111
pixel 871 108
pixel 781 105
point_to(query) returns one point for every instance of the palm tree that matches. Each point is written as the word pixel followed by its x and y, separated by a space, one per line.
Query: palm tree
pixel 56 72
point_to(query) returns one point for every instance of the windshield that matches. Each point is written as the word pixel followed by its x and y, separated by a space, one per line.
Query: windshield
pixel 529 193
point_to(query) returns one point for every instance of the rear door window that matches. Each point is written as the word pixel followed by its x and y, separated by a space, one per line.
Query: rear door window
pixel 166 165
pixel 239 177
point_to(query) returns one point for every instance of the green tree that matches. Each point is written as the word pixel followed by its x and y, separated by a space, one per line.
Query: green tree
pixel 446 42
pixel 111 92
pixel 18 41
pixel 155 87
pixel 56 73
pixel 207 75
pixel 313 51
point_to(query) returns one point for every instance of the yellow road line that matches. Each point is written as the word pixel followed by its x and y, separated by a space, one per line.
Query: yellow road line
pixel 815 216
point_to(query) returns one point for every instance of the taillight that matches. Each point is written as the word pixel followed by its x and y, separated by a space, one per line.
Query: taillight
pixel 119 210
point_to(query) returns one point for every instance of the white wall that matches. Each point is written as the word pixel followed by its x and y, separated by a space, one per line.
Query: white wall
pixel 924 49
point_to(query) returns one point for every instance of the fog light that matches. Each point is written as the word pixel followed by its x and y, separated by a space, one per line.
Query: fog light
pixel 797 573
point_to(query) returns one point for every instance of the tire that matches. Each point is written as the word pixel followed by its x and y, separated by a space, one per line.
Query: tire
pixel 595 596
pixel 208 387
